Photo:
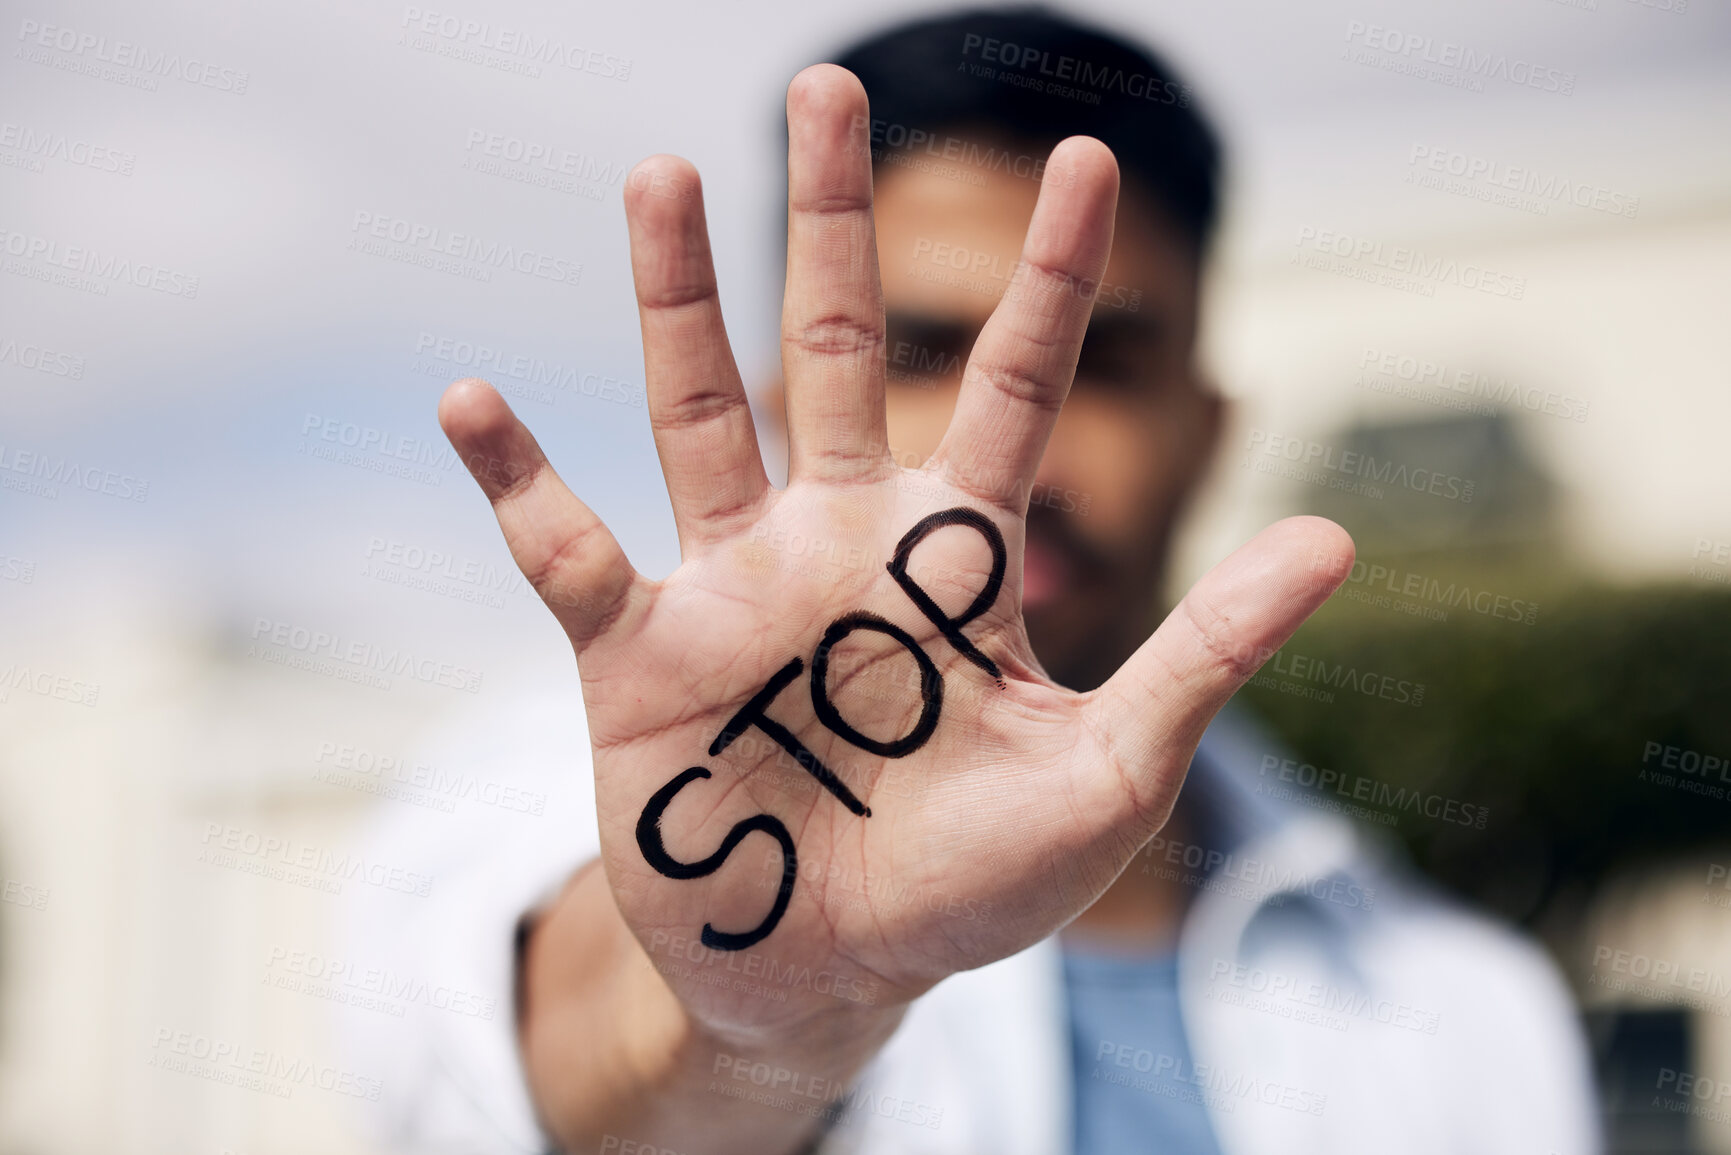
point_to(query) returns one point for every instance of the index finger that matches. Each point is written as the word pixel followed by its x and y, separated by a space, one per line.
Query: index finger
pixel 1020 371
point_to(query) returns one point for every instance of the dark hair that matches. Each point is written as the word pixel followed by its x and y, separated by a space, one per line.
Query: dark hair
pixel 1032 77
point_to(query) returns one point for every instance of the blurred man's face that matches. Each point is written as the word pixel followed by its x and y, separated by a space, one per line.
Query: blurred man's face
pixel 1133 436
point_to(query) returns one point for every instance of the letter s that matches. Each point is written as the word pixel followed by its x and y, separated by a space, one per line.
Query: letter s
pixel 655 853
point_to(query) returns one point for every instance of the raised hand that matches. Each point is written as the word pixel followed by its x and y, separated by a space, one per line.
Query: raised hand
pixel 830 712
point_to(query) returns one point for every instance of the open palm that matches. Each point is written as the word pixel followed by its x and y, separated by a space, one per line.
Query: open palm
pixel 823 745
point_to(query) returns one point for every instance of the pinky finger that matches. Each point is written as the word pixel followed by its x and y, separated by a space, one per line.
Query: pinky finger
pixel 563 549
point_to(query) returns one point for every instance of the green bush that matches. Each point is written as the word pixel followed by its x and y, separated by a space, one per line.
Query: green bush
pixel 1546 725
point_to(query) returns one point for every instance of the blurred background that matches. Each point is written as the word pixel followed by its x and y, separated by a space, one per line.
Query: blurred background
pixel 218 442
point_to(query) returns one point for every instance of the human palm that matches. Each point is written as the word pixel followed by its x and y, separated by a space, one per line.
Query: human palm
pixel 823 745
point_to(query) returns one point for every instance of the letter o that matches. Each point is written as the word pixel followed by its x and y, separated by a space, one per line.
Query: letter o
pixel 931 687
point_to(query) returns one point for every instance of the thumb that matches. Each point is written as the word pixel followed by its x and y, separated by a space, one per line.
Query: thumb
pixel 1153 711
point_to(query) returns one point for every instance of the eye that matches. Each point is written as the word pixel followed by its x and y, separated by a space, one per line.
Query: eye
pixel 1122 356
pixel 925 353
pixel 1111 363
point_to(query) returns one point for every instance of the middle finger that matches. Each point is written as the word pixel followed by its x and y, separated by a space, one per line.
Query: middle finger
pixel 832 320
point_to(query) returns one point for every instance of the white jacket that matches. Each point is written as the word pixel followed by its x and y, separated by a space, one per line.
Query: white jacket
pixel 1329 1006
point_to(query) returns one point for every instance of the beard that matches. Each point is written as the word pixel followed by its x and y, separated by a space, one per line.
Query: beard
pixel 1092 609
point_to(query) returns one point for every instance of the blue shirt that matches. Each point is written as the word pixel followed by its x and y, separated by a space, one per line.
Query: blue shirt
pixel 1136 1087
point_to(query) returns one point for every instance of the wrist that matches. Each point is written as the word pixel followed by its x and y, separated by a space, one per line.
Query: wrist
pixel 610 1048
pixel 782 1086
pixel 828 1045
